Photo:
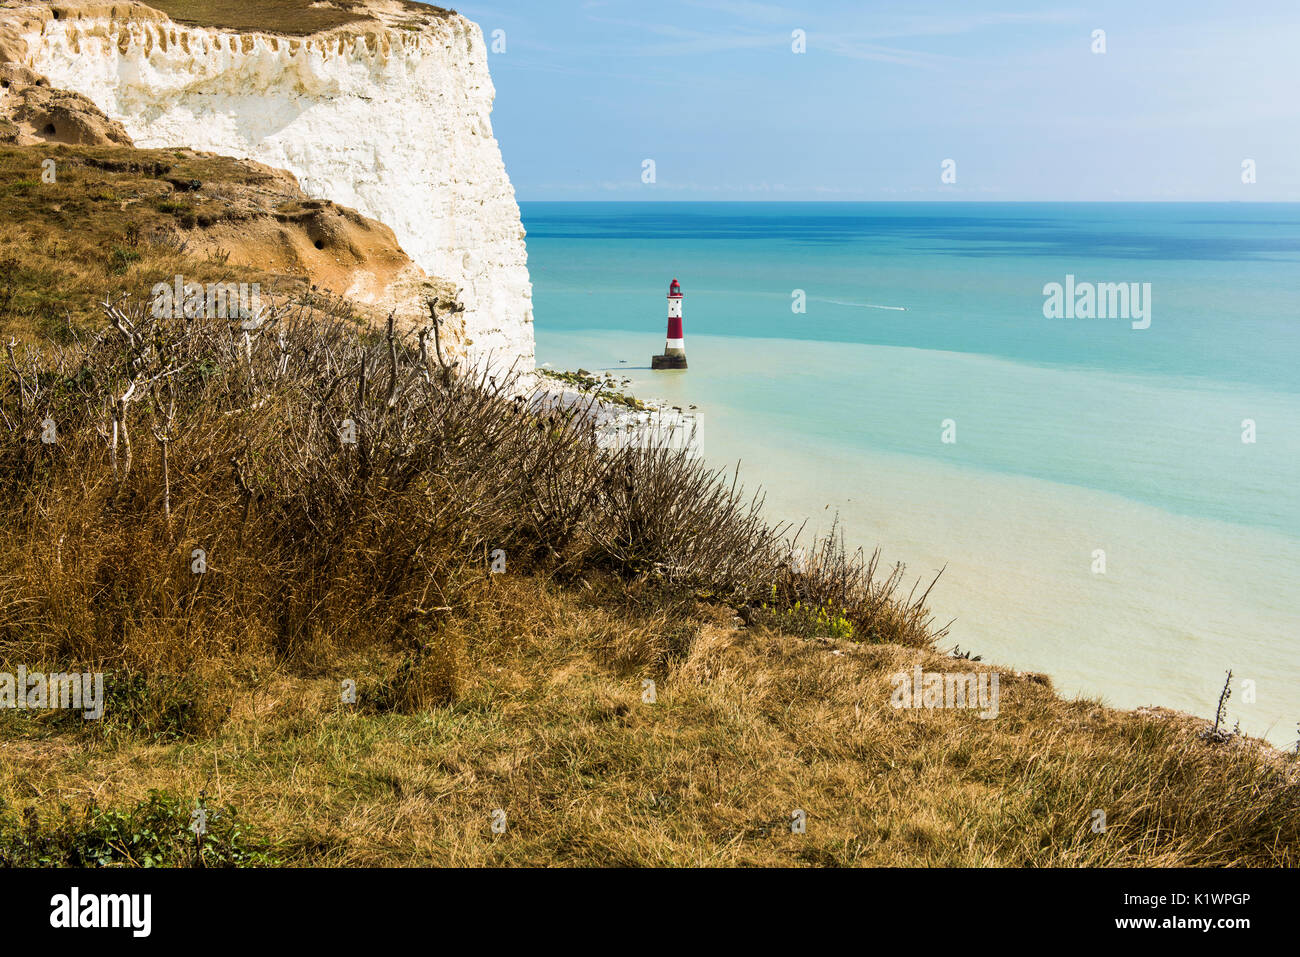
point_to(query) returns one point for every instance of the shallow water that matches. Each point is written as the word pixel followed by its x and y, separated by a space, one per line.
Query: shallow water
pixel 1071 436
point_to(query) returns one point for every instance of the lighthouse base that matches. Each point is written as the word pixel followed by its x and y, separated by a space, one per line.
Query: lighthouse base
pixel 668 362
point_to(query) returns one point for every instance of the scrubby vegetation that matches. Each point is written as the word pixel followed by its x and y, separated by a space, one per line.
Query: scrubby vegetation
pixel 340 485
pixel 370 600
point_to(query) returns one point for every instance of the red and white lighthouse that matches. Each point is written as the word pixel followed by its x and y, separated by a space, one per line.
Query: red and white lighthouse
pixel 674 356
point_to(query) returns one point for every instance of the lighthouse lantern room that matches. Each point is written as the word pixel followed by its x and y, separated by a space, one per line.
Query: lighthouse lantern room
pixel 674 356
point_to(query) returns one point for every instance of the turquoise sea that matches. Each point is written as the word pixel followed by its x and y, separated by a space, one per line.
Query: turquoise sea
pixel 1072 435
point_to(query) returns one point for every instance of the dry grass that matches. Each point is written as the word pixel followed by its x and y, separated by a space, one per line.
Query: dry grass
pixel 340 487
pixel 288 17
pixel 370 563
pixel 749 725
pixel 520 691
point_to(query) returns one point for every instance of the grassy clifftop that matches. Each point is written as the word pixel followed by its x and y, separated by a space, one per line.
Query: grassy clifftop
pixel 391 640
pixel 363 604
pixel 287 17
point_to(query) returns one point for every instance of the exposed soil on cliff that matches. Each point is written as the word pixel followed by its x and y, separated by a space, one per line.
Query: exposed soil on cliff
pixel 83 222
pixel 32 112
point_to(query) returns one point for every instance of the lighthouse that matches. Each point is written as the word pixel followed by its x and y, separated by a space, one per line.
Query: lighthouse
pixel 674 356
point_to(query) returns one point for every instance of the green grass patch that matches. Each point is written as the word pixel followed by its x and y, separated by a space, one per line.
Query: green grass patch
pixel 156 832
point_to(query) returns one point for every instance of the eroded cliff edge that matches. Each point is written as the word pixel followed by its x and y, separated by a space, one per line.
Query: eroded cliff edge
pixel 385 109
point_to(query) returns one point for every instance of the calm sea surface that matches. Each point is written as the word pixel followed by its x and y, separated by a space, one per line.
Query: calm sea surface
pixel 1072 435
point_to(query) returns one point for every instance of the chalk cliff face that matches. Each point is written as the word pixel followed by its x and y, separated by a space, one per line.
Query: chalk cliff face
pixel 390 118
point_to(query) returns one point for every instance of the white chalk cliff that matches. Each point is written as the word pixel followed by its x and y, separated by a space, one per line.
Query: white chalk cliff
pixel 391 120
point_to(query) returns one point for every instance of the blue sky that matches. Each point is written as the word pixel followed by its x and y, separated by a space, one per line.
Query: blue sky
pixel 1012 92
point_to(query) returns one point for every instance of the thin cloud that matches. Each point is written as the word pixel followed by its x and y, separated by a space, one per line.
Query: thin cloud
pixel 688 42
pixel 878 26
